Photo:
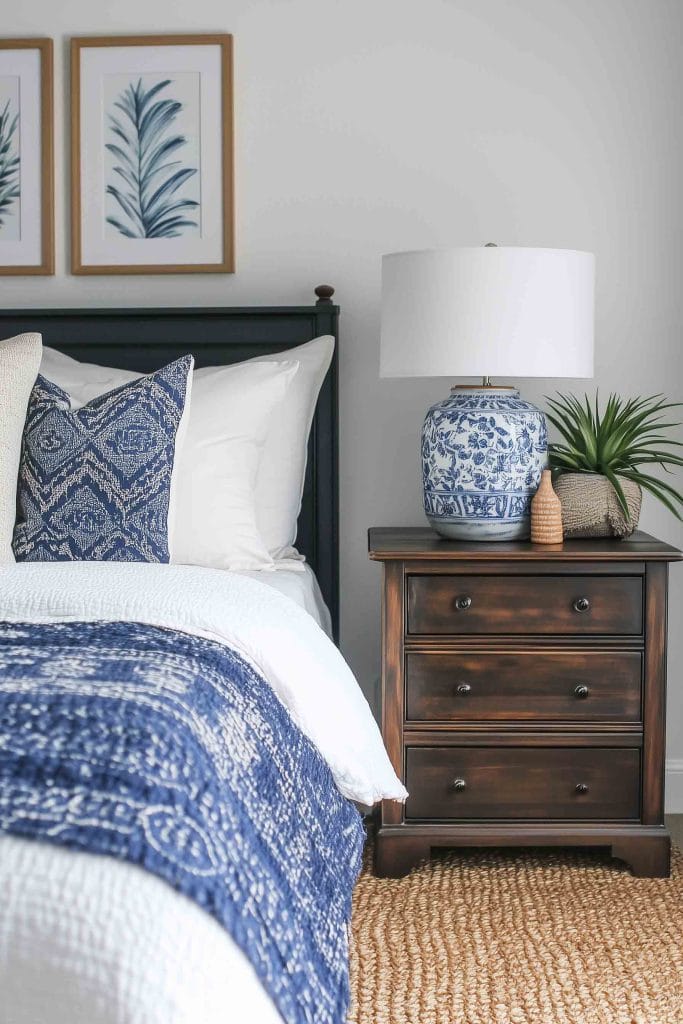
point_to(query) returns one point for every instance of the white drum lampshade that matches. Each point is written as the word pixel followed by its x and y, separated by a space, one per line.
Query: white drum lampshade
pixel 485 311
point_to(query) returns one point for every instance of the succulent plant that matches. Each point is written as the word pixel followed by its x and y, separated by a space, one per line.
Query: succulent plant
pixel 617 442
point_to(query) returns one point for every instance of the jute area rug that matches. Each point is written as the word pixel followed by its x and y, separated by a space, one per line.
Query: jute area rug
pixel 518 938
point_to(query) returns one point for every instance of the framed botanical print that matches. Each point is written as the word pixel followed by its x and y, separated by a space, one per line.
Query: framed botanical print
pixel 151 155
pixel 26 159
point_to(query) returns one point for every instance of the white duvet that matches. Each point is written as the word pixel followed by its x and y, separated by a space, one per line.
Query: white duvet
pixel 92 940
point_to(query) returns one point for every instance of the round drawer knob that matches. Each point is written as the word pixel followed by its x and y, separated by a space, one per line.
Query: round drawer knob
pixel 581 788
pixel 463 689
pixel 582 604
pixel 463 603
pixel 581 691
pixel 459 785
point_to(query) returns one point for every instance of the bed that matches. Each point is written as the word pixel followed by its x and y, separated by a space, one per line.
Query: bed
pixel 115 909
pixel 221 336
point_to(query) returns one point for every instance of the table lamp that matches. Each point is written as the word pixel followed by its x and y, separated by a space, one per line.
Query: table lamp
pixel 485 311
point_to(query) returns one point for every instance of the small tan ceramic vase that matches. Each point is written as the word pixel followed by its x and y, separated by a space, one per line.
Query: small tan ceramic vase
pixel 546 513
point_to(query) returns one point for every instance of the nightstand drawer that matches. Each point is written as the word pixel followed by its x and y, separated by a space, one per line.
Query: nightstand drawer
pixel 568 686
pixel 550 783
pixel 562 605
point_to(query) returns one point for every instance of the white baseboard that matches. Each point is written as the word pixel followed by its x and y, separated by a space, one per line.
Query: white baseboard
pixel 674 787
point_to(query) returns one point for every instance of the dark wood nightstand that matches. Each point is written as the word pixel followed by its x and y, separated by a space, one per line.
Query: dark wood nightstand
pixel 523 695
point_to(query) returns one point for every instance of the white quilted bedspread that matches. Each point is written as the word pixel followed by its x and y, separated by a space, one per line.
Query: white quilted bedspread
pixel 91 940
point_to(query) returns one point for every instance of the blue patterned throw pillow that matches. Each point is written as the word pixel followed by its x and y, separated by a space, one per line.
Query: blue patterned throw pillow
pixel 95 482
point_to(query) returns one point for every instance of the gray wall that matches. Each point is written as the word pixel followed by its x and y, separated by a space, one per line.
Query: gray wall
pixel 364 127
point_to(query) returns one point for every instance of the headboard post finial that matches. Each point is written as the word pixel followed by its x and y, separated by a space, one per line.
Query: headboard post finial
pixel 324 293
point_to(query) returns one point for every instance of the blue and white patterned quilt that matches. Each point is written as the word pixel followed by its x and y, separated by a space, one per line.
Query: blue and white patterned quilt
pixel 170 751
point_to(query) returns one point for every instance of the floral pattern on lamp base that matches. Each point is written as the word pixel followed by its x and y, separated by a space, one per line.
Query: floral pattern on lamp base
pixel 483 452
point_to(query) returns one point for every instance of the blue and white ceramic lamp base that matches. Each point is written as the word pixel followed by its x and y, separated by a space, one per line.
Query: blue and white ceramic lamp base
pixel 483 452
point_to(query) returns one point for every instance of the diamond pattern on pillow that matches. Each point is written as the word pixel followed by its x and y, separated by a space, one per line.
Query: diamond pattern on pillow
pixel 95 482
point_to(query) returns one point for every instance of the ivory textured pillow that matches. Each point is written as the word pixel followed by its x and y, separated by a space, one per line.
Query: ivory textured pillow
pixel 19 363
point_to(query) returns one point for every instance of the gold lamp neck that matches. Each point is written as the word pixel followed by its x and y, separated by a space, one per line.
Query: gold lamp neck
pixel 485 383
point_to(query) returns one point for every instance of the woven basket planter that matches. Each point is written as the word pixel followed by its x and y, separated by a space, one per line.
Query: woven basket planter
pixel 590 507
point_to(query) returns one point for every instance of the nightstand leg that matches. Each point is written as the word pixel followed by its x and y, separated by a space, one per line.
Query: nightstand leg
pixel 647 856
pixel 396 855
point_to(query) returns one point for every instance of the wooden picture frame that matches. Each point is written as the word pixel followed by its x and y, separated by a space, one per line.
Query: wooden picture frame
pixel 120 86
pixel 28 245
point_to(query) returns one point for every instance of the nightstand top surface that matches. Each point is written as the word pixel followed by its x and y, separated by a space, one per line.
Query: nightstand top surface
pixel 386 543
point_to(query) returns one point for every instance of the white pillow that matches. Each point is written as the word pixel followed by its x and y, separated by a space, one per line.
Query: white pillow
pixel 230 417
pixel 280 479
pixel 214 516
pixel 19 363
pixel 81 381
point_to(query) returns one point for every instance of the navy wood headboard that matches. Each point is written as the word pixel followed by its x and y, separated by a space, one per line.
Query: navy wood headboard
pixel 145 339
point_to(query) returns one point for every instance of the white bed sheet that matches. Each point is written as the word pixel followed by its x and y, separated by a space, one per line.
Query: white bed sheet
pixel 301 585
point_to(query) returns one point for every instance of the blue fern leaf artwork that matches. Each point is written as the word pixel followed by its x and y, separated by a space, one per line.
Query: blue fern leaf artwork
pixel 10 188
pixel 150 176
